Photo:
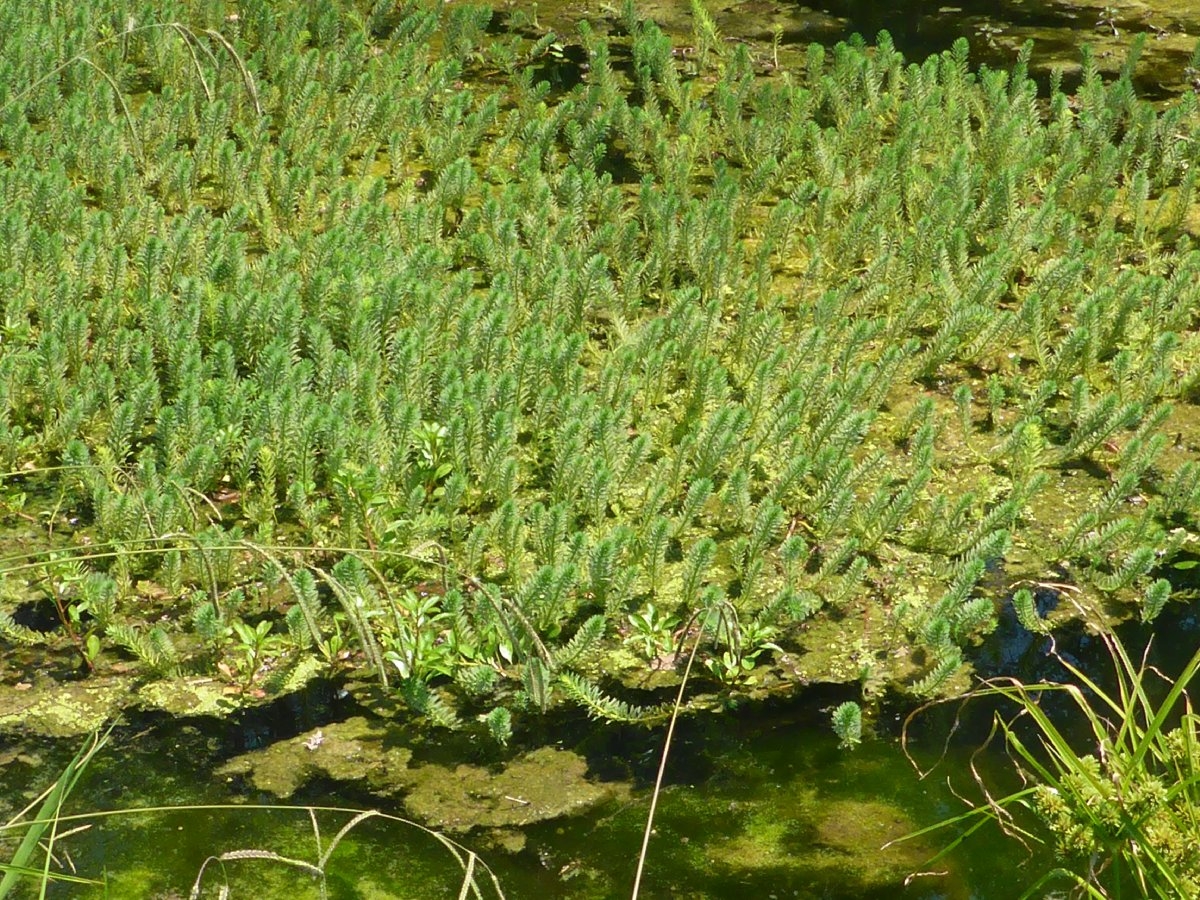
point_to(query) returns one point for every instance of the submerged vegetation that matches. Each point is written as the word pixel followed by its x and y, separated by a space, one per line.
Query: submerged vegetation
pixel 477 880
pixel 508 367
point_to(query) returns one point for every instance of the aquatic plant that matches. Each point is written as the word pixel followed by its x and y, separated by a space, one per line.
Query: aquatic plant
pixel 1120 806
pixel 499 725
pixel 308 314
pixel 652 631
pixel 367 336
pixel 847 723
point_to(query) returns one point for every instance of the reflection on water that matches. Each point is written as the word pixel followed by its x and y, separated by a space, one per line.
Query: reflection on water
pixel 995 29
pixel 758 801
pixel 764 803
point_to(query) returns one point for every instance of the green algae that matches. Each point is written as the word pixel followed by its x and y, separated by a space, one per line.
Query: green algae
pixel 758 804
pixel 377 860
pixel 202 696
pixel 53 707
pixel 188 697
pixel 66 709
pixel 547 783
pixel 355 751
pixel 859 833
pixel 812 826
pixel 507 840
pixel 842 841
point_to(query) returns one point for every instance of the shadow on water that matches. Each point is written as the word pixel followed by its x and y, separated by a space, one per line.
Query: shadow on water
pixel 759 802
pixel 995 30
pixel 762 802
pixel 1013 651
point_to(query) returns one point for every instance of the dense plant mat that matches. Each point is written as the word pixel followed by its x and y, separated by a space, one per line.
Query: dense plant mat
pixel 509 367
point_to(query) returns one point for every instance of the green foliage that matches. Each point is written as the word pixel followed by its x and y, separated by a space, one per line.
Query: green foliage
pixel 210 626
pixel 847 724
pixel 704 30
pixel 425 701
pixel 601 706
pixel 476 681
pixel 413 638
pixel 583 643
pixel 18 634
pixel 947 663
pixel 1119 807
pixel 499 725
pixel 535 678
pixel 1155 599
pixel 151 647
pixel 652 631
pixel 1026 610
pixel 591 359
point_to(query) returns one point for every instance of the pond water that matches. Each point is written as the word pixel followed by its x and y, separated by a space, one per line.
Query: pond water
pixel 764 803
pixel 759 801
pixel 995 31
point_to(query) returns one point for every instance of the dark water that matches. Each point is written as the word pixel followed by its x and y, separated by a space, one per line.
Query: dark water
pixel 758 803
pixel 995 30
pixel 763 803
